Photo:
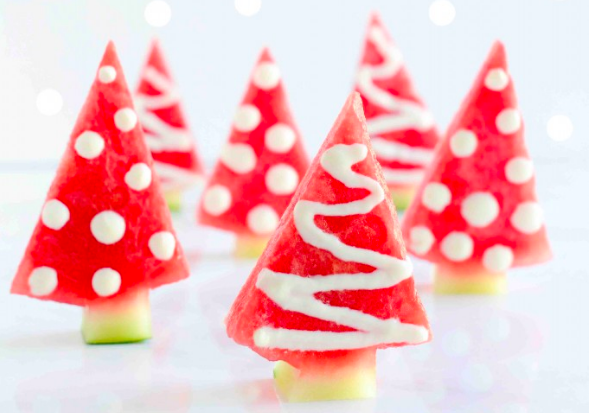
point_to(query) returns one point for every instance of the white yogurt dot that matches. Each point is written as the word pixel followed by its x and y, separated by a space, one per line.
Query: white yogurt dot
pixel 436 196
pixel 279 138
pixel 247 118
pixel 139 176
pixel 281 179
pixel 527 217
pixel 217 200
pixel 89 145
pixel 463 143
pixel 107 74
pixel 421 240
pixel 162 244
pixel 508 121
pixel 267 75
pixel 457 246
pixel 498 258
pixel 55 214
pixel 496 79
pixel 108 227
pixel 42 281
pixel 480 209
pixel 125 119
pixel 262 219
pixel 106 282
pixel 239 157
pixel 519 170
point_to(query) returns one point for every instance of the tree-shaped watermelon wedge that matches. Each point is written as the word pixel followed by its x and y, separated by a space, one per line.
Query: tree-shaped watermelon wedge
pixel 476 214
pixel 401 128
pixel 334 284
pixel 260 165
pixel 165 129
pixel 105 235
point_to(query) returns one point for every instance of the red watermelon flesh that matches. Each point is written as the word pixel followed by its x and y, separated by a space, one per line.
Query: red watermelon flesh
pixel 481 185
pixel 402 130
pixel 164 124
pixel 288 253
pixel 106 167
pixel 262 162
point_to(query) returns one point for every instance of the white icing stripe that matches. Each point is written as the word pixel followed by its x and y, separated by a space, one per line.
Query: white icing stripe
pixel 162 137
pixel 295 293
pixel 173 177
pixel 403 176
pixel 395 151
pixel 408 114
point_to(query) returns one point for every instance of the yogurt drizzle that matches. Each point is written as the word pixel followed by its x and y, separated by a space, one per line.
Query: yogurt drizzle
pixel 295 293
pixel 407 114
pixel 163 137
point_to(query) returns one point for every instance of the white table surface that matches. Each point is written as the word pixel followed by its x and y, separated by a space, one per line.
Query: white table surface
pixel 526 351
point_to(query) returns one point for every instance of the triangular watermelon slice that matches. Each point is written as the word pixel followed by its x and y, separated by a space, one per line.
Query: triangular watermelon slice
pixel 334 283
pixel 165 128
pixel 105 235
pixel 260 166
pixel 402 130
pixel 476 214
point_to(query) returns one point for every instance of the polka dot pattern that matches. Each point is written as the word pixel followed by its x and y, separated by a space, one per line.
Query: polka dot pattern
pixel 89 145
pixel 496 79
pixel 480 209
pixel 266 76
pixel 43 281
pixel 421 240
pixel 217 200
pixel 498 259
pixel 247 118
pixel 162 245
pixel 436 196
pixel 108 227
pixel 239 157
pixel 55 214
pixel 107 74
pixel 457 246
pixel 279 138
pixel 508 121
pixel 527 217
pixel 139 177
pixel 281 179
pixel 463 143
pixel 125 119
pixel 262 220
pixel 106 282
pixel 519 170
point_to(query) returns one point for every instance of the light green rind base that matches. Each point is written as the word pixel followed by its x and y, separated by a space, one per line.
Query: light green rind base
pixel 475 283
pixel 293 386
pixel 250 247
pixel 174 200
pixel 402 197
pixel 126 321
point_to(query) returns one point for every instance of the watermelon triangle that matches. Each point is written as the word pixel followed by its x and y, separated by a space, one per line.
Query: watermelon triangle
pixel 402 130
pixel 164 124
pixel 481 184
pixel 261 163
pixel 375 234
pixel 106 167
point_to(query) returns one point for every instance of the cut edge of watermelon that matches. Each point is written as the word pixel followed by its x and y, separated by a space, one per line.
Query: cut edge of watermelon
pixel 124 319
pixel 352 376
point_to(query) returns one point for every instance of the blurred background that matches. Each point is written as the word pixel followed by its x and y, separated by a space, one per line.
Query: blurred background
pixel 526 352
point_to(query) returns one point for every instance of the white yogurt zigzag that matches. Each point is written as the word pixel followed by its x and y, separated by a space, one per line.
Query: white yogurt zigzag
pixel 407 114
pixel 295 293
pixel 163 137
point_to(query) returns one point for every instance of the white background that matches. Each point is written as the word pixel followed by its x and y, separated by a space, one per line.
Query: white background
pixel 526 352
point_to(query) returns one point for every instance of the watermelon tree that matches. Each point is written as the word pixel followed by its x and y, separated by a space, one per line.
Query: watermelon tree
pixel 260 165
pixel 165 129
pixel 105 235
pixel 476 214
pixel 402 130
pixel 334 283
